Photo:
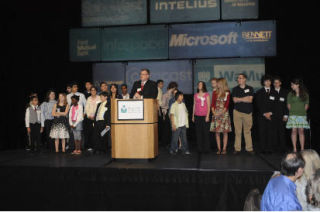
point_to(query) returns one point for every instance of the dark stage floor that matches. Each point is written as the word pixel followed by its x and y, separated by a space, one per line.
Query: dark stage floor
pixel 49 181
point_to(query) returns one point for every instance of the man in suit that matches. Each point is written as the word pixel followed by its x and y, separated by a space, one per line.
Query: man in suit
pixel 144 88
pixel 265 101
pixel 281 113
pixel 102 121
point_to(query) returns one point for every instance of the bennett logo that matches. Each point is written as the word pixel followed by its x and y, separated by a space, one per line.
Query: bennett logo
pixel 257 36
pixel 83 47
pixel 185 4
pixel 180 40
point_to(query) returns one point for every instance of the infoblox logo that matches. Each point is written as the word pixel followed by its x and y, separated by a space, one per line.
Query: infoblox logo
pixel 182 40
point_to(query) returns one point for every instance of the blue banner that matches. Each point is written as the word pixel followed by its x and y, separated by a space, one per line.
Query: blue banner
pixel 179 71
pixel 229 69
pixel 239 9
pixel 226 39
pixel 84 44
pixel 135 43
pixel 109 73
pixel 168 11
pixel 113 12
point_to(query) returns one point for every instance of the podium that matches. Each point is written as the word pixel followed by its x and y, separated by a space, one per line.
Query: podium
pixel 134 128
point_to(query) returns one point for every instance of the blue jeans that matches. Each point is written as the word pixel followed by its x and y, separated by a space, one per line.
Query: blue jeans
pixel 182 133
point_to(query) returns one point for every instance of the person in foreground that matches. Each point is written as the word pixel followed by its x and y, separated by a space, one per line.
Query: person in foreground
pixel 280 193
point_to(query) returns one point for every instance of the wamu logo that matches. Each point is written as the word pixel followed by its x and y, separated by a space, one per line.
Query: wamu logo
pixel 181 40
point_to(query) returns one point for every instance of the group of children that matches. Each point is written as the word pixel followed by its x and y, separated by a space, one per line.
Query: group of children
pixel 88 114
pixel 64 119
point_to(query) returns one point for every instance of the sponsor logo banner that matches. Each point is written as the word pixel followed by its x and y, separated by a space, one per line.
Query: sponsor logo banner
pixel 179 71
pixel 113 12
pixel 229 69
pixel 111 73
pixel 135 43
pixel 130 110
pixel 239 9
pixel 84 44
pixel 228 39
pixel 167 11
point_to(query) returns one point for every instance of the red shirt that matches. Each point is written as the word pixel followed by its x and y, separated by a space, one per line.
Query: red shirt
pixel 214 99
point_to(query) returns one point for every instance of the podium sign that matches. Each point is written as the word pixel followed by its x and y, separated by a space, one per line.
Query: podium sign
pixel 130 109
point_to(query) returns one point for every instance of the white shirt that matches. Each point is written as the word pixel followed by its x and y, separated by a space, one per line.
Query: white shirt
pixel 101 110
pixel 182 115
pixel 82 98
pixel 91 105
pixel 278 90
pixel 127 96
pixel 267 89
pixel 78 114
pixel 159 97
pixel 39 116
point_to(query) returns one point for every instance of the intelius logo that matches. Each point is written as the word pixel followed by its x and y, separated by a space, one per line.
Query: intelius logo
pixel 184 4
pixel 257 36
pixel 181 40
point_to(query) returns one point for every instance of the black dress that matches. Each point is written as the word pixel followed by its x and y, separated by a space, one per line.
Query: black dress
pixel 60 127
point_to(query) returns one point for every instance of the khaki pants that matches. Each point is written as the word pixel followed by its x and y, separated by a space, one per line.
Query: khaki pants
pixel 242 120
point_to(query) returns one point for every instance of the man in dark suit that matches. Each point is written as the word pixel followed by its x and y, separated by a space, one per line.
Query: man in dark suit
pixel 102 121
pixel 280 116
pixel 144 88
pixel 265 103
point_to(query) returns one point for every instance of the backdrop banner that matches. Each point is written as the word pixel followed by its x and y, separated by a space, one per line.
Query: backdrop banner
pixel 239 9
pixel 167 11
pixel 135 43
pixel 113 12
pixel 179 71
pixel 224 39
pixel 229 69
pixel 109 73
pixel 84 44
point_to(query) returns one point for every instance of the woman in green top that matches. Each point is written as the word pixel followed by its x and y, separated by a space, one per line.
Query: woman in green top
pixel 298 104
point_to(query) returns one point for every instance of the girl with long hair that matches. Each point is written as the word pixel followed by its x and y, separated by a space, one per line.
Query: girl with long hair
pixel 221 119
pixel 298 104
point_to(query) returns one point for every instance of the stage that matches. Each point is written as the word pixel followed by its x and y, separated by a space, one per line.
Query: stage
pixel 49 181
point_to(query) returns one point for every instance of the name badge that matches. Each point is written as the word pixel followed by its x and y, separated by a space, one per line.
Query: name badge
pixel 246 91
pixel 271 97
pixel 139 89
pixel 281 99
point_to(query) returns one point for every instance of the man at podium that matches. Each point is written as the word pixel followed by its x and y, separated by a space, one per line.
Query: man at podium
pixel 144 88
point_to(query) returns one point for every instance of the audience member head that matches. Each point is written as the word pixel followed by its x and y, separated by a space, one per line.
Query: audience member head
pixel 222 87
pixel 144 74
pixel 114 89
pixel 68 89
pixel 292 165
pixel 201 86
pixel 312 162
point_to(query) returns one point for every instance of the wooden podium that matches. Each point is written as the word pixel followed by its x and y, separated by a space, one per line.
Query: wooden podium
pixel 134 138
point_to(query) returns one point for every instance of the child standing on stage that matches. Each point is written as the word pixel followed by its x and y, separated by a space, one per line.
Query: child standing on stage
pixel 34 123
pixel 60 127
pixel 221 119
pixel 298 104
pixel 179 124
pixel 75 121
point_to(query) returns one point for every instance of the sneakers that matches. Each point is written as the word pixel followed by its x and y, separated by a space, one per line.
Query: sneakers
pixel 187 152
pixel 172 152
